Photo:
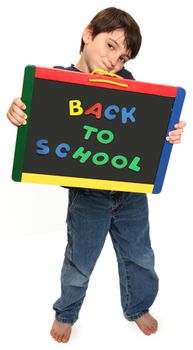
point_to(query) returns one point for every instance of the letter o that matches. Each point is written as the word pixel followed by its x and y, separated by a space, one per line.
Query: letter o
pixel 105 140
pixel 119 165
pixel 103 161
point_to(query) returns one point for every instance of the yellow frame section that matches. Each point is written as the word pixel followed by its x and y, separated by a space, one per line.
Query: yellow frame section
pixel 87 183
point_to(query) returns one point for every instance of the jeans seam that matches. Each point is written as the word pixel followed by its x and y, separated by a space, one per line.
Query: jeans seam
pixel 138 314
pixel 73 200
pixel 127 286
pixel 127 280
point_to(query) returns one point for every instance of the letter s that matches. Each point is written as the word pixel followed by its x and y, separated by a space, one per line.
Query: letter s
pixel 43 149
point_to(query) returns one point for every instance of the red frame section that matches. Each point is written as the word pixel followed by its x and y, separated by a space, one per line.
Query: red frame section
pixel 83 78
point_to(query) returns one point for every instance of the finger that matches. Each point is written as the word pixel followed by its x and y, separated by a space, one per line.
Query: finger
pixel 19 103
pixel 18 111
pixel 175 142
pixel 176 132
pixel 12 120
pixel 174 139
pixel 174 136
pixel 15 119
pixel 21 120
pixel 181 124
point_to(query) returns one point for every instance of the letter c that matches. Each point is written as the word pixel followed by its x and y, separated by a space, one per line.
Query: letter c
pixel 59 151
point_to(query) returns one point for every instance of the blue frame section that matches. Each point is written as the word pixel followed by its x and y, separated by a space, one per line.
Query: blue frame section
pixel 167 148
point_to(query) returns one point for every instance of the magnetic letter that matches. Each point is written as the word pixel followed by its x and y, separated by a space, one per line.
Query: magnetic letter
pixel 95 110
pixel 97 161
pixel 128 115
pixel 83 156
pixel 108 139
pixel 134 164
pixel 75 107
pixel 43 148
pixel 107 113
pixel 59 148
pixel 117 159
pixel 89 129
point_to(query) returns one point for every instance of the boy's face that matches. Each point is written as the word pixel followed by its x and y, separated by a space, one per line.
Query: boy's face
pixel 106 51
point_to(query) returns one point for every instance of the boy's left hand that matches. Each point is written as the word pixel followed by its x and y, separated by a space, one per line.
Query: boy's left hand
pixel 174 136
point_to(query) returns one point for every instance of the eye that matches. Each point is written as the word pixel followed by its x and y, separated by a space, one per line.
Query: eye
pixel 123 60
pixel 111 47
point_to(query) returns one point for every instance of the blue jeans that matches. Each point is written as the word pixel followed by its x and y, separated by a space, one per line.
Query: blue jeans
pixel 91 215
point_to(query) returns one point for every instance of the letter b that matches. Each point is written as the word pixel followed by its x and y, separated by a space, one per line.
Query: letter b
pixel 75 108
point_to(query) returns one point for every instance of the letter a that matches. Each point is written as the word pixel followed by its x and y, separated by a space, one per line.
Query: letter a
pixel 95 110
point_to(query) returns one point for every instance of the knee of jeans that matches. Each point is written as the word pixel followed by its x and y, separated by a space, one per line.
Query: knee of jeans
pixel 147 261
pixel 143 260
pixel 76 280
pixel 74 277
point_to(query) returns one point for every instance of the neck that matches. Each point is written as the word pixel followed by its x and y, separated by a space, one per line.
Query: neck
pixel 82 66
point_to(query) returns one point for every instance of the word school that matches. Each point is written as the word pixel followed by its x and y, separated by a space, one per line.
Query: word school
pixel 100 158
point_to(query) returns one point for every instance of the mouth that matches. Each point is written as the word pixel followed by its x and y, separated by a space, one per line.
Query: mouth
pixel 108 69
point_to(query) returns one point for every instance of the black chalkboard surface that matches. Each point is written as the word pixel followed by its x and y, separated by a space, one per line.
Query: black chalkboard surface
pixel 95 131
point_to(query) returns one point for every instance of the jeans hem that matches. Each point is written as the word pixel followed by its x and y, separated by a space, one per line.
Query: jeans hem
pixel 65 320
pixel 135 316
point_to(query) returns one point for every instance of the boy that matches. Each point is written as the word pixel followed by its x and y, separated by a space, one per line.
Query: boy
pixel 108 42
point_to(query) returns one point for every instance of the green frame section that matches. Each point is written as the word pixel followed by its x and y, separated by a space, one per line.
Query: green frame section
pixel 27 94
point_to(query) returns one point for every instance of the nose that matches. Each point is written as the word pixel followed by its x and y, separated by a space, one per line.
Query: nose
pixel 112 60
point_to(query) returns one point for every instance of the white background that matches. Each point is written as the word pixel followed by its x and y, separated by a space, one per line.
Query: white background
pixel 32 222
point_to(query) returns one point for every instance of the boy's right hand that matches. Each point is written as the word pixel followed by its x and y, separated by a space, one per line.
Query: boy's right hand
pixel 16 114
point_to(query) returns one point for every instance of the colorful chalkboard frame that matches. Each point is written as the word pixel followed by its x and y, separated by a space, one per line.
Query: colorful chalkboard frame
pixel 172 96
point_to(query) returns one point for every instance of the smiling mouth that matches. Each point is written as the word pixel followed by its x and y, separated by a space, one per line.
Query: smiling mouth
pixel 108 69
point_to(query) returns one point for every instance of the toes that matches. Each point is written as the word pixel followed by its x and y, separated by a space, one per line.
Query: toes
pixel 150 330
pixel 59 339
pixel 65 339
pixel 147 324
pixel 154 327
pixel 147 332
pixel 55 336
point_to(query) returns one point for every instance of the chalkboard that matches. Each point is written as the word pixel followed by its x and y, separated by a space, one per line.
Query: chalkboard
pixel 94 131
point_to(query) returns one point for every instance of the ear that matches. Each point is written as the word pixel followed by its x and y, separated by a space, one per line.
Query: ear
pixel 87 34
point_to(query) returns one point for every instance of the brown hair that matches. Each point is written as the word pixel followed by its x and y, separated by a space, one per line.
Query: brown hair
pixel 111 19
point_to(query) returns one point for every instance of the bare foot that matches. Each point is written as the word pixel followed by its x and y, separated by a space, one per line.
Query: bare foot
pixel 61 331
pixel 147 324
